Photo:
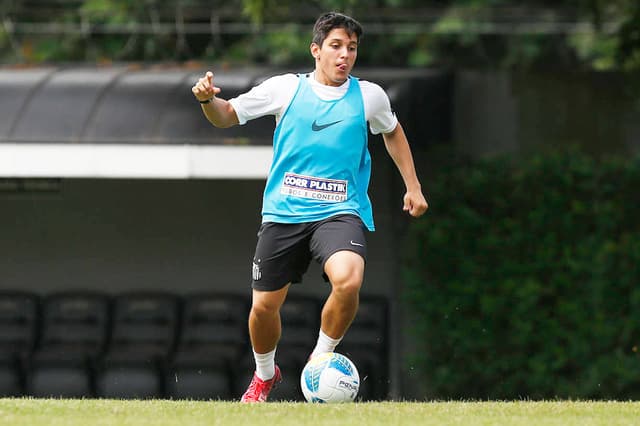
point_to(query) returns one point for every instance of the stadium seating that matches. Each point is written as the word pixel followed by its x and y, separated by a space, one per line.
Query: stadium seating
pixel 365 344
pixel 213 337
pixel 142 338
pixel 300 317
pixel 162 345
pixel 74 332
pixel 291 364
pixel 18 328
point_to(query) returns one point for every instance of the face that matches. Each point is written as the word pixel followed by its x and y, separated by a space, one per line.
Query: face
pixel 336 57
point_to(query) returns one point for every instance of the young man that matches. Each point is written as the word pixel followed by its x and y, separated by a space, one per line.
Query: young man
pixel 315 201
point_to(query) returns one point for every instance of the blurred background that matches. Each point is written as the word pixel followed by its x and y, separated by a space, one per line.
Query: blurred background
pixel 128 222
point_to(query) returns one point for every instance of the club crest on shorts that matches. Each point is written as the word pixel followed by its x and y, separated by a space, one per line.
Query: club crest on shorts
pixel 256 274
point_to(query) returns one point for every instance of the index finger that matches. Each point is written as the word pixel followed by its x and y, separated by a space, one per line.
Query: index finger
pixel 209 76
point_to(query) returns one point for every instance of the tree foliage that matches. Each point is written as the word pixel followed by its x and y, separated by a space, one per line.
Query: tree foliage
pixel 588 34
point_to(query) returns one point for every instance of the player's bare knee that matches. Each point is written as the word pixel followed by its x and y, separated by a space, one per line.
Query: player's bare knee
pixel 345 270
pixel 347 285
pixel 268 303
pixel 263 311
pixel 265 307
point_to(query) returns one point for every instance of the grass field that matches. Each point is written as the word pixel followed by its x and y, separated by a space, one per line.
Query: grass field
pixel 52 412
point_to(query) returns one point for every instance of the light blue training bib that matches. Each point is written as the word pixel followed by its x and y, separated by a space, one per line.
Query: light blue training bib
pixel 321 165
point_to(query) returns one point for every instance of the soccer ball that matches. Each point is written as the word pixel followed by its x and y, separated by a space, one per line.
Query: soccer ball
pixel 330 377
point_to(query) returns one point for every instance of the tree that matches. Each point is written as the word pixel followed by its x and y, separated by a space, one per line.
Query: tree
pixel 502 34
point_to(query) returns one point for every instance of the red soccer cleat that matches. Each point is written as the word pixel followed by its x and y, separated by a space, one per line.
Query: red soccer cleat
pixel 259 389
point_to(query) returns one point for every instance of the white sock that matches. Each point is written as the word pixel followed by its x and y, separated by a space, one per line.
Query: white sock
pixel 265 364
pixel 325 344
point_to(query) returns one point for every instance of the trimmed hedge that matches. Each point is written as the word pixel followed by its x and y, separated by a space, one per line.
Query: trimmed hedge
pixel 524 280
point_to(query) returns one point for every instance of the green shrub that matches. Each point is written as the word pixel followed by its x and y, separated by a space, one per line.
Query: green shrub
pixel 523 279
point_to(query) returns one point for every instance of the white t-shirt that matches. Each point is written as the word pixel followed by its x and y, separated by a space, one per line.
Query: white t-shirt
pixel 273 96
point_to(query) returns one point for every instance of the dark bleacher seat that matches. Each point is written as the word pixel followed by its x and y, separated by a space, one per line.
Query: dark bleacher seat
pixel 291 364
pixel 372 370
pixel 213 337
pixel 18 327
pixel 198 378
pixel 143 335
pixel 369 328
pixel 73 336
pixel 300 317
pixel 242 373
pixel 366 345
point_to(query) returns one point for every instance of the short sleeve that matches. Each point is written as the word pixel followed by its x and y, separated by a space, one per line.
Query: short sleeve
pixel 377 107
pixel 271 97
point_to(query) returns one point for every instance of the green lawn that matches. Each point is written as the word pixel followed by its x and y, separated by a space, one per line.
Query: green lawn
pixel 18 412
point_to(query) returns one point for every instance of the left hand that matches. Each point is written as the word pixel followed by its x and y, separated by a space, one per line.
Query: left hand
pixel 415 203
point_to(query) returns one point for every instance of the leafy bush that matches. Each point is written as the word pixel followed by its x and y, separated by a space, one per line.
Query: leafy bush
pixel 523 279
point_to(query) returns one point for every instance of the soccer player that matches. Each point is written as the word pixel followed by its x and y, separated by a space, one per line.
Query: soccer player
pixel 315 203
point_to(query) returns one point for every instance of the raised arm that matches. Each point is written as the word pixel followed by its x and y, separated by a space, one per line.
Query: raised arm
pixel 218 111
pixel 398 148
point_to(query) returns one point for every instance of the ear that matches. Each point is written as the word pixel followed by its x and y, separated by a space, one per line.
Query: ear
pixel 315 50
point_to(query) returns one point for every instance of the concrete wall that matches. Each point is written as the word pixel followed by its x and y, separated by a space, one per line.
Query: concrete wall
pixel 177 235
pixel 500 112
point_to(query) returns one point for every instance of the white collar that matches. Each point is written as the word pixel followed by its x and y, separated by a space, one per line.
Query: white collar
pixel 316 83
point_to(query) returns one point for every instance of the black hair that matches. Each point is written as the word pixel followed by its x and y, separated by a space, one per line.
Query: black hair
pixel 331 20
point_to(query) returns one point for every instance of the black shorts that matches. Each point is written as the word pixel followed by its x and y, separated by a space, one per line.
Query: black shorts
pixel 284 250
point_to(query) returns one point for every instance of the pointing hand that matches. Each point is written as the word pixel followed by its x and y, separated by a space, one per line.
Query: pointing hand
pixel 204 88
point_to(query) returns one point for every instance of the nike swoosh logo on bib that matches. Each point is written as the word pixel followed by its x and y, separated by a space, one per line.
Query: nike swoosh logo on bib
pixel 317 127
